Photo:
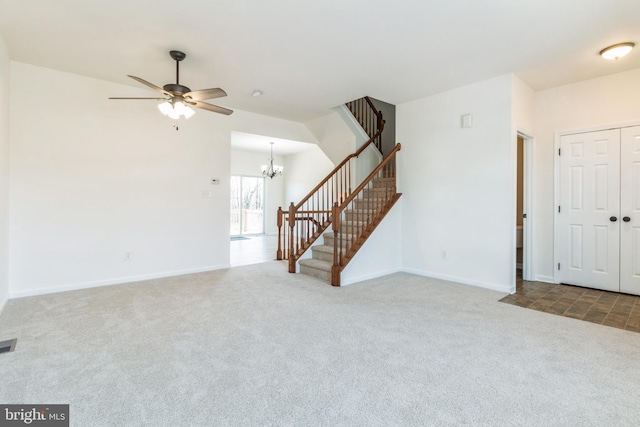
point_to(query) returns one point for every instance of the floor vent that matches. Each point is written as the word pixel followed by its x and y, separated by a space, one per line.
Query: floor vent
pixel 8 346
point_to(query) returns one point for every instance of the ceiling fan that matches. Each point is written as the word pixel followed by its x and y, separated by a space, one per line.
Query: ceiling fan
pixel 179 99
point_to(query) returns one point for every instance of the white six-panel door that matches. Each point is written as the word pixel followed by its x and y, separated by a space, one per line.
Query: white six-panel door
pixel 589 222
pixel 630 210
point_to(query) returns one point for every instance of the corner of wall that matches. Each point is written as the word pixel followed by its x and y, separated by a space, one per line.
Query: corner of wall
pixel 333 135
pixel 4 173
pixel 353 125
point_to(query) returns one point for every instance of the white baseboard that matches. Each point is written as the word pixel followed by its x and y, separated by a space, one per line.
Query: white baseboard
pixel 494 287
pixel 113 281
pixel 545 279
pixel 362 278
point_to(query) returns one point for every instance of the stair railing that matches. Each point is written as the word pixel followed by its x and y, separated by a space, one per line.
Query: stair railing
pixel 302 224
pixel 355 218
pixel 369 118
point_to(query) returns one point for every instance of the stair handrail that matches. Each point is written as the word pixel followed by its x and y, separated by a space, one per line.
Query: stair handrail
pixel 369 118
pixel 345 247
pixel 313 212
pixel 340 165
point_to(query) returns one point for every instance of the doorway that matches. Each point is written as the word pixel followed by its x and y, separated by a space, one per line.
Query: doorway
pixel 523 244
pixel 247 205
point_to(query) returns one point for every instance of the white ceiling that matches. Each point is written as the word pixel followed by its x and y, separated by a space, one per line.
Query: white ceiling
pixel 309 56
pixel 281 147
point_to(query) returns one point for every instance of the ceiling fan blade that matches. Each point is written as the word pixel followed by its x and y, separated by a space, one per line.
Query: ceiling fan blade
pixel 151 85
pixel 202 94
pixel 210 107
pixel 157 99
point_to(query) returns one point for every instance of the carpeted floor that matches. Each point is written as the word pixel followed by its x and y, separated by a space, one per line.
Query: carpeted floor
pixel 255 345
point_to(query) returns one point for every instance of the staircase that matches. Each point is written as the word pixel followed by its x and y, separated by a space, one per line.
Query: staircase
pixel 352 214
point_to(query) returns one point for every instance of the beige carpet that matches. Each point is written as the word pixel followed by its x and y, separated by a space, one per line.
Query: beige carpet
pixel 257 346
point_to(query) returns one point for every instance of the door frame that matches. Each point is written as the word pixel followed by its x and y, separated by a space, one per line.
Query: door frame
pixel 556 184
pixel 527 207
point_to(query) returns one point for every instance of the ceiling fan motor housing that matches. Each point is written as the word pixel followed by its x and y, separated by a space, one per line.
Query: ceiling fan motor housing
pixel 176 88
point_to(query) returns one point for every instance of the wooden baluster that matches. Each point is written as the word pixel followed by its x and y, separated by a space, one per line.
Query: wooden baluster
pixel 292 224
pixel 349 176
pixel 279 251
pixel 337 246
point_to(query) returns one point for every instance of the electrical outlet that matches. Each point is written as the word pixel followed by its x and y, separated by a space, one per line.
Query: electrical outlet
pixel 128 256
pixel 206 194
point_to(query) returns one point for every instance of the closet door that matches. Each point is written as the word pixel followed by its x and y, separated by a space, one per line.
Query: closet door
pixel 589 220
pixel 630 211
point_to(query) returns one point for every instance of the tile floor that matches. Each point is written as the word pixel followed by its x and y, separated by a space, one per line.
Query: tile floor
pixel 253 250
pixel 605 308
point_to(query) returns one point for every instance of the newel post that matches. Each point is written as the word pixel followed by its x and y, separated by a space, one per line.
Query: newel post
pixel 292 224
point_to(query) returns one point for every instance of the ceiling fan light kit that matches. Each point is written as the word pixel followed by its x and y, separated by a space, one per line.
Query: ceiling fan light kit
pixel 178 99
pixel 175 110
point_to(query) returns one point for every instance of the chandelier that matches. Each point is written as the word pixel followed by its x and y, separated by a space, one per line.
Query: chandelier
pixel 271 170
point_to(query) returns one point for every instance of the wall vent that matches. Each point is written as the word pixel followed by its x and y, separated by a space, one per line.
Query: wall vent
pixel 8 346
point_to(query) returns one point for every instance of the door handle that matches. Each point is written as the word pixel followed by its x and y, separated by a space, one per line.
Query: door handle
pixel 613 219
pixel 626 219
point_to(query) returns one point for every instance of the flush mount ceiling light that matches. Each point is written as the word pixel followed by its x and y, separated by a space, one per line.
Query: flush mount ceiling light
pixel 617 50
pixel 271 170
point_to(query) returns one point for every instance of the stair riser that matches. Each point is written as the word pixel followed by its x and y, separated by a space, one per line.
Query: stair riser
pixel 314 272
pixel 361 215
pixel 322 256
pixel 373 204
pixel 352 227
pixel 387 182
pixel 329 241
pixel 378 191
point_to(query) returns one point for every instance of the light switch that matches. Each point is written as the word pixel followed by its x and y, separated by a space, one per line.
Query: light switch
pixel 466 121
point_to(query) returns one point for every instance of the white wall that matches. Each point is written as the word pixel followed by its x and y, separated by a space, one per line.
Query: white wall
pixel 248 163
pixel 380 254
pixel 333 136
pixel 93 178
pixel 607 101
pixel 4 174
pixel 302 172
pixel 523 106
pixel 458 185
pixel 523 121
